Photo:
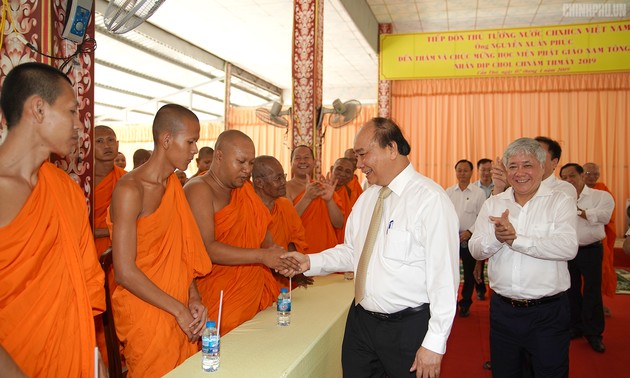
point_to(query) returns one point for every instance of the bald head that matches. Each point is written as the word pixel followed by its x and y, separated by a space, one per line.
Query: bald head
pixel 264 166
pixel 105 146
pixel 102 129
pixel 229 138
pixel 233 160
pixel 269 178
pixel 140 157
pixel 591 174
pixel 170 118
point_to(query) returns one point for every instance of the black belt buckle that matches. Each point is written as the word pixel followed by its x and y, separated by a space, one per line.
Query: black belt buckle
pixel 520 302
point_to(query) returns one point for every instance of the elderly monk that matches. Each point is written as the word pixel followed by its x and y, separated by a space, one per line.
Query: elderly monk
pixel 203 160
pixel 609 277
pixel 158 253
pixel 51 282
pixel 233 224
pixel 315 201
pixel 286 227
pixel 343 172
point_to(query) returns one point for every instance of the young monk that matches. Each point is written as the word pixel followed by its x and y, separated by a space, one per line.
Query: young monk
pixel 51 282
pixel 158 252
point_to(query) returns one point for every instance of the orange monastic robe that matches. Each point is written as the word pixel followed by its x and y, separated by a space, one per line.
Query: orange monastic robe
pixel 286 226
pixel 609 277
pixel 320 233
pixel 355 189
pixel 171 253
pixel 247 289
pixel 102 199
pixel 349 194
pixel 51 284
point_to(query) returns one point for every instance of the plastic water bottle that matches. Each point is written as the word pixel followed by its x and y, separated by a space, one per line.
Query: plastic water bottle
pixel 210 347
pixel 284 308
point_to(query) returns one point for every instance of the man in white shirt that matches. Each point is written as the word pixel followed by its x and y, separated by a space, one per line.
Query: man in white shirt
pixel 594 208
pixel 404 310
pixel 484 167
pixel 528 233
pixel 467 199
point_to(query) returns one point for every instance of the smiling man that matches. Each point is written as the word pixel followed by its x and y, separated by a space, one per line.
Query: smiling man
pixel 343 172
pixel 233 223
pixel 158 252
pixel 402 242
pixel 529 233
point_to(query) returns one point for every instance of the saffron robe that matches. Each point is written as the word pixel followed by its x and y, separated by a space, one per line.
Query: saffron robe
pixel 609 276
pixel 102 199
pixel 51 284
pixel 171 253
pixel 320 233
pixel 247 289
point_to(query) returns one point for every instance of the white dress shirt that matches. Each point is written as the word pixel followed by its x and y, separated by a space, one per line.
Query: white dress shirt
pixel 416 254
pixel 467 204
pixel 555 183
pixel 535 266
pixel 598 206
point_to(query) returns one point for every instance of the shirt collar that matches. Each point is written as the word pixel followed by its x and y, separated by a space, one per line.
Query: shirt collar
pixel 397 185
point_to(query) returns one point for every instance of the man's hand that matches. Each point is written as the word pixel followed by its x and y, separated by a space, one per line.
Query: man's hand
pixel 303 261
pixel 427 364
pixel 313 190
pixel 272 258
pixel 499 176
pixel 302 281
pixel 328 186
pixel 184 320
pixel 503 229
pixel 464 236
pixel 199 313
pixel 478 272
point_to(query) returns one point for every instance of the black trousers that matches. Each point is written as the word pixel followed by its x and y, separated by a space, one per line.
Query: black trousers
pixel 587 308
pixel 541 331
pixel 381 348
pixel 469 279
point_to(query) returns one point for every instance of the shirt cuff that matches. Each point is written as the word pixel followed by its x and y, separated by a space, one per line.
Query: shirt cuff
pixel 435 343
pixel 316 265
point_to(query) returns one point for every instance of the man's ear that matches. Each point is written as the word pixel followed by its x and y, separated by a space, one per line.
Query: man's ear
pixel 35 107
pixel 393 150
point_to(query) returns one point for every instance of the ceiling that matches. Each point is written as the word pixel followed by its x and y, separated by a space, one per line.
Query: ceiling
pixel 179 55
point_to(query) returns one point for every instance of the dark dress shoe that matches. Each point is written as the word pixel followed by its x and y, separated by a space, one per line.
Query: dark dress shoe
pixel 596 344
pixel 464 312
pixel 481 296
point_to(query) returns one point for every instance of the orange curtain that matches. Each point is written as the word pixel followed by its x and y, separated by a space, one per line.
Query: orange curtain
pixel 589 115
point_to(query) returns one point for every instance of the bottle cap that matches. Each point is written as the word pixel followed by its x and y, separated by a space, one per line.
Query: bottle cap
pixel 211 324
pixel 284 290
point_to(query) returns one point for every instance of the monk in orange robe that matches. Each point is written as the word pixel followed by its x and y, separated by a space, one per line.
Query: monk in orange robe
pixel 609 276
pixel 106 175
pixel 51 282
pixel 158 253
pixel 203 160
pixel 343 172
pixel 233 224
pixel 355 186
pixel 315 201
pixel 269 181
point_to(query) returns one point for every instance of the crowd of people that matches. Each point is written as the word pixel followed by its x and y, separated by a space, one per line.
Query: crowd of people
pixel 239 228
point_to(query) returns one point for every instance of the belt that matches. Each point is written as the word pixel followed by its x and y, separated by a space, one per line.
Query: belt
pixel 531 302
pixel 396 315
pixel 592 245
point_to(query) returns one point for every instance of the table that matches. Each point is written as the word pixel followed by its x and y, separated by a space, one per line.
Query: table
pixel 309 347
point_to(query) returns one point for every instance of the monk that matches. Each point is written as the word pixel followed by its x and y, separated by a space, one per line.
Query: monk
pixel 51 282
pixel 203 160
pixel 121 160
pixel 343 172
pixel 181 176
pixel 106 175
pixel 315 201
pixel 233 224
pixel 286 228
pixel 158 253
pixel 609 277
pixel 140 157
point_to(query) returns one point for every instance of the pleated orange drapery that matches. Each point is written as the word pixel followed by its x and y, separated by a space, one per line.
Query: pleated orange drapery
pixel 274 141
pixel 451 119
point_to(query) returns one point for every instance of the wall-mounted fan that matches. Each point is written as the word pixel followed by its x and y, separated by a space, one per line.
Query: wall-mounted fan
pixel 274 117
pixel 341 113
pixel 122 16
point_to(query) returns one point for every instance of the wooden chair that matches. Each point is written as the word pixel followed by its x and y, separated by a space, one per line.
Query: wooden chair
pixel 113 353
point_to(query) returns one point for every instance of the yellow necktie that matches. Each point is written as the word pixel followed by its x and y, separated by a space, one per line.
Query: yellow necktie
pixel 368 247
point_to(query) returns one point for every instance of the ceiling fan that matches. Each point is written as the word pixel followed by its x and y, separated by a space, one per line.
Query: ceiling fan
pixel 275 116
pixel 122 16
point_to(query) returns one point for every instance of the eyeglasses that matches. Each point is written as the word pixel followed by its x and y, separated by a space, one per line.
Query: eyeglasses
pixel 592 173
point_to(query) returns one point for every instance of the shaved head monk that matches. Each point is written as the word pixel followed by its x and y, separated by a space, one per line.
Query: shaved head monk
pixel 140 157
pixel 203 160
pixel 52 284
pixel 121 160
pixel 158 253
pixel 286 227
pixel 315 201
pixel 343 172
pixel 233 223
